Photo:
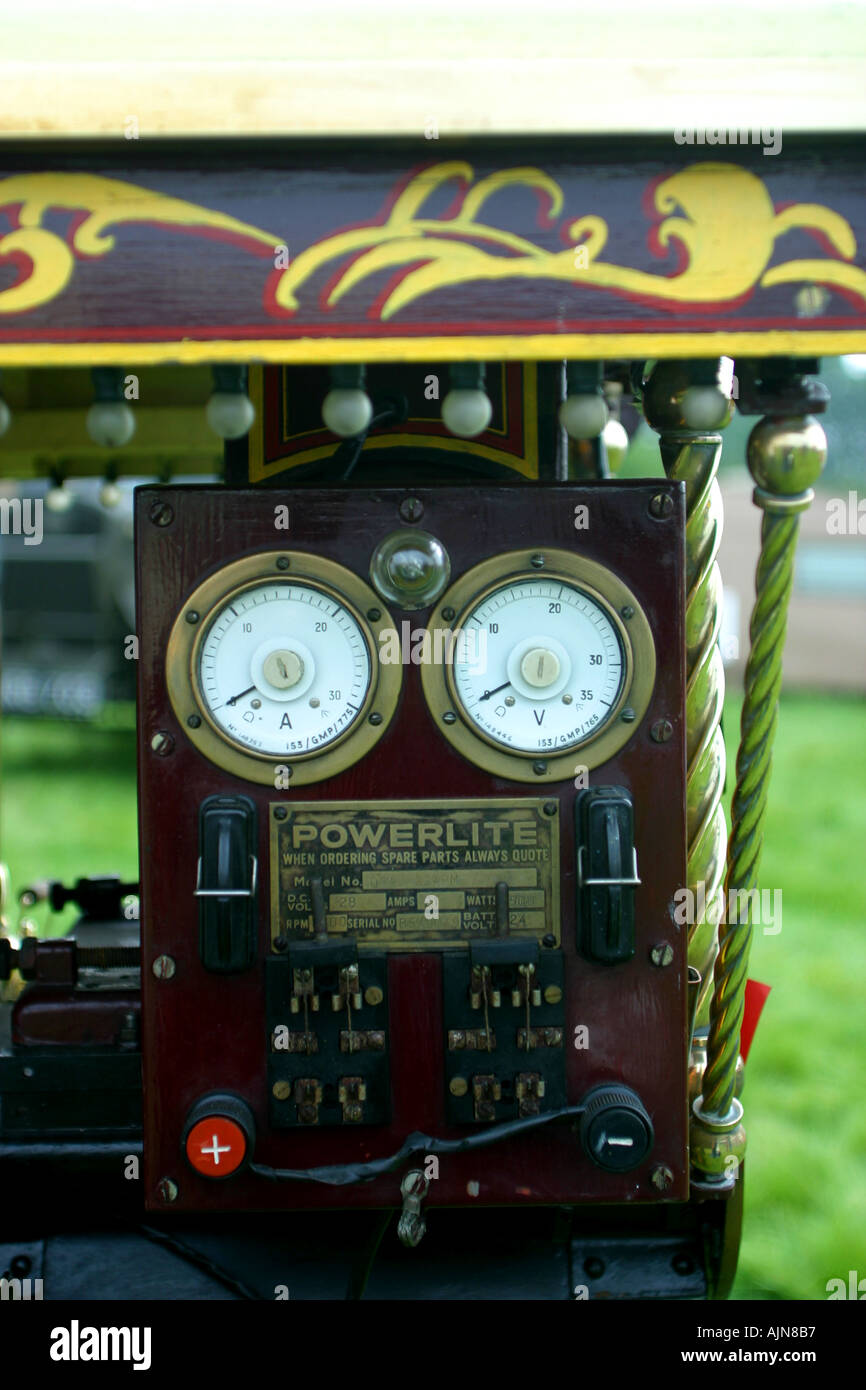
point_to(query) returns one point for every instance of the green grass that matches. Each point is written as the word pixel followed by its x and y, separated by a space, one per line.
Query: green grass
pixel 68 809
pixel 67 806
pixel 805 1092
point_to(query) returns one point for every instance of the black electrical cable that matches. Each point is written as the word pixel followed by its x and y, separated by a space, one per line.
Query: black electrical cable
pixel 346 1174
pixel 351 448
pixel 360 1275
pixel 201 1261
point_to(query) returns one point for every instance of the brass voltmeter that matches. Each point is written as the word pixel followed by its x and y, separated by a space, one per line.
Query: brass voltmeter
pixel 551 663
pixel 273 669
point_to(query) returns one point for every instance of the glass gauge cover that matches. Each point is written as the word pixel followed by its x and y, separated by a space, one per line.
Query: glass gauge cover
pixel 284 669
pixel 550 664
pixel 545 669
pixel 272 668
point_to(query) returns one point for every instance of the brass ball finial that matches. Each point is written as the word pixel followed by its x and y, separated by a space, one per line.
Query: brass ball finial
pixel 785 455
pixel 687 395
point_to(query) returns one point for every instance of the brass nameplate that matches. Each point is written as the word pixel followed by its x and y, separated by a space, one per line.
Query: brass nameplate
pixel 415 875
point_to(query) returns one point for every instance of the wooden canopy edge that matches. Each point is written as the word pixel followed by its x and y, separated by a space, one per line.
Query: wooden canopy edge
pixel 395 97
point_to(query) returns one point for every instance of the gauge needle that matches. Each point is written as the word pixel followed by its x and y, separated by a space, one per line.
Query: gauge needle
pixel 235 698
pixel 488 693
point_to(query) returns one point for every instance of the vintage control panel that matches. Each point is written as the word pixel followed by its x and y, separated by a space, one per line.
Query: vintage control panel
pixel 412 819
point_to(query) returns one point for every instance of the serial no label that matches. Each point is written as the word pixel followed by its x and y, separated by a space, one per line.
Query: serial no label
pixel 415 875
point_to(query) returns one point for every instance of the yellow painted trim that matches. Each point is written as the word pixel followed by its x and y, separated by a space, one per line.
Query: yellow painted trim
pixel 541 347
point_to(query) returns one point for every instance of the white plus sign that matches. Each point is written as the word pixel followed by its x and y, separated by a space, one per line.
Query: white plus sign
pixel 216 1150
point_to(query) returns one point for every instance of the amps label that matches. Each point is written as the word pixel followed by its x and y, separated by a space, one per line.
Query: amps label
pixel 415 875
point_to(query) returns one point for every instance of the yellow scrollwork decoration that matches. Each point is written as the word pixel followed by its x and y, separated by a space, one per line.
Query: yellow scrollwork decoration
pixel 720 216
pixel 108 203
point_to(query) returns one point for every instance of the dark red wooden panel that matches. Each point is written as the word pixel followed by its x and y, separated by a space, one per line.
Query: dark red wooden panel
pixel 204 1032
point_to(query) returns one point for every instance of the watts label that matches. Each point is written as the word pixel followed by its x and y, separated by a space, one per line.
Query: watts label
pixel 415 875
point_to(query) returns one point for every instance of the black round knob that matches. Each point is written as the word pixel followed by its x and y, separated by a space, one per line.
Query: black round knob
pixel 616 1131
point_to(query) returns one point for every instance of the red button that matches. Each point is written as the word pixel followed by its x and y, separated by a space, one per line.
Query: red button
pixel 216 1146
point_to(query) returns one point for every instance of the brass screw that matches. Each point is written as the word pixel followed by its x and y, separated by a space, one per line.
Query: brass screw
pixel 662 954
pixel 627 716
pixel 374 614
pixel 458 1085
pixel 662 1178
pixel 192 616
pixel 161 514
pixel 280 813
pixel 551 808
pixel 282 1090
pixel 662 730
pixel 448 614
pixel 627 612
pixel 167 1190
pixel 552 994
pixel 661 506
pixel 375 719
pixel 537 562
pixel 539 767
pixel 373 995
pixel 283 562
pixel 411 509
pixel 163 967
pixel 449 717
pixel 162 743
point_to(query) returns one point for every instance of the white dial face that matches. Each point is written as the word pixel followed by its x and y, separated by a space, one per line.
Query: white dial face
pixel 545 669
pixel 284 669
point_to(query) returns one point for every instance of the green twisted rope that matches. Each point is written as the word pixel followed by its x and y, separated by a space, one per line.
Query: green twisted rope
pixel 763 681
pixel 695 462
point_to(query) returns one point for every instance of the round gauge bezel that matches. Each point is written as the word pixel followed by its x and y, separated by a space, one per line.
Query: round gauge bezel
pixel 193 624
pixel 635 637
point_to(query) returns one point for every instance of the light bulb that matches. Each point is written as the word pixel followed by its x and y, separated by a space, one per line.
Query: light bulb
pixel 109 493
pixel 58 498
pixel 347 411
pixel 230 414
pixel 110 423
pixel 466 412
pixel 584 417
pixel 615 444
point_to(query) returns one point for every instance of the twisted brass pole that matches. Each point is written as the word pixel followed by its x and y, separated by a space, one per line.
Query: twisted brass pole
pixel 680 400
pixel 785 456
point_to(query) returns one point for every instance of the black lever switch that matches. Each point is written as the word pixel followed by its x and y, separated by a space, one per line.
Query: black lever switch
pixel 606 874
pixel 226 883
